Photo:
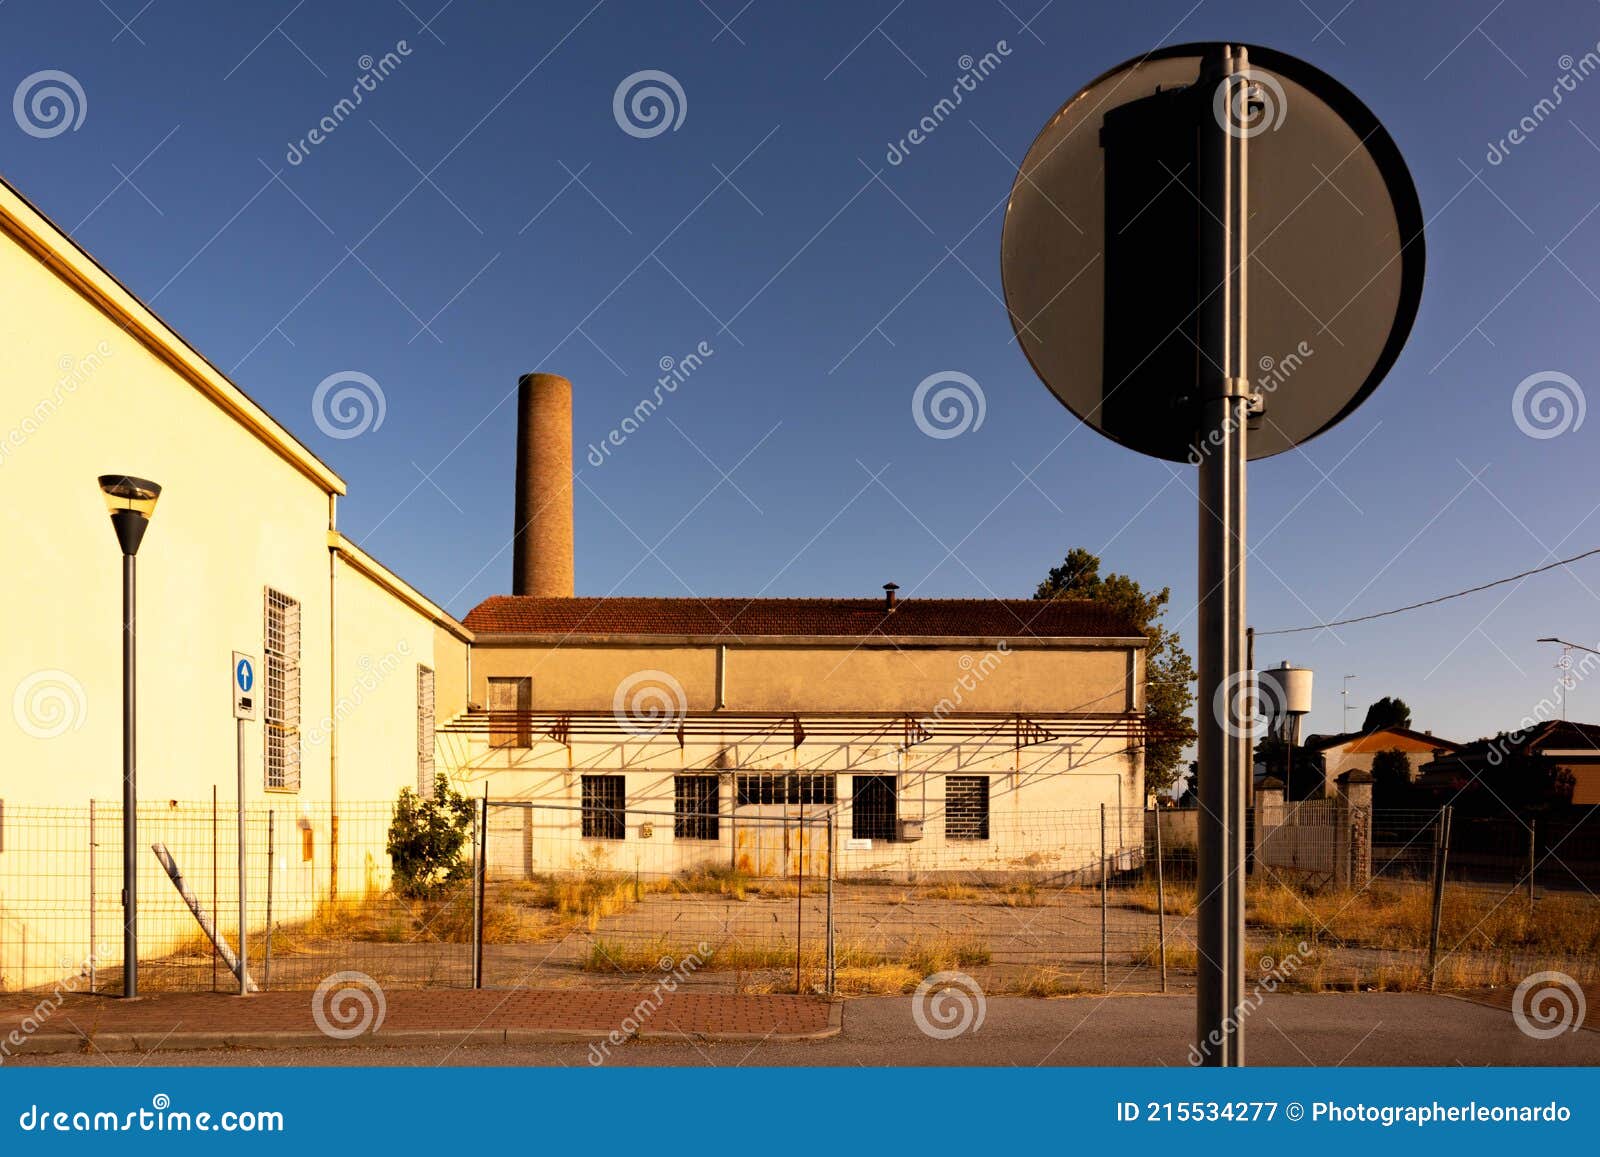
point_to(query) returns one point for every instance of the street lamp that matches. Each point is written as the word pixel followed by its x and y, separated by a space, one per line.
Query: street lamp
pixel 1565 662
pixel 131 501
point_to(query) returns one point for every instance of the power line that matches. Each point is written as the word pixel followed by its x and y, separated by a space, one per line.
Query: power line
pixel 1433 601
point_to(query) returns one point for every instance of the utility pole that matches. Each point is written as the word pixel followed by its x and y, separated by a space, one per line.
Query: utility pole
pixel 1346 694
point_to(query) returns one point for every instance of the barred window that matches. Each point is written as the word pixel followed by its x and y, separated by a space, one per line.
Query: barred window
pixel 694 811
pixel 425 730
pixel 281 718
pixel 966 807
pixel 778 787
pixel 604 800
pixel 874 808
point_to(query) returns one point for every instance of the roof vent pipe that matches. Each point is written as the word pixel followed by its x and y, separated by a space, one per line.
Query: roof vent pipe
pixel 889 600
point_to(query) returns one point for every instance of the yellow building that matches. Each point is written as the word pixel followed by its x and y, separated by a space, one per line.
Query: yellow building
pixel 243 554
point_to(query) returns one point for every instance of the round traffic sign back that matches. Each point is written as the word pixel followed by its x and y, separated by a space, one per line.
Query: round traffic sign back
pixel 1099 263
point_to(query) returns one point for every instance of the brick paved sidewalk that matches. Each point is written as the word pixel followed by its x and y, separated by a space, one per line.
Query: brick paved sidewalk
pixel 436 1016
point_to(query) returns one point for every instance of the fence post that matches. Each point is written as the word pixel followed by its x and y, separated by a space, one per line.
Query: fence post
pixel 215 911
pixel 480 843
pixel 800 895
pixel 1533 863
pixel 266 952
pixel 829 933
pixel 1105 880
pixel 94 950
pixel 1441 858
pixel 1161 903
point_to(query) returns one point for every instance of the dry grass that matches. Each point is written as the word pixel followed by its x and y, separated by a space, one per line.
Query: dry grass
pixel 1178 901
pixel 963 893
pixel 1182 955
pixel 877 980
pixel 1048 982
pixel 928 954
pixel 1024 895
pixel 1398 915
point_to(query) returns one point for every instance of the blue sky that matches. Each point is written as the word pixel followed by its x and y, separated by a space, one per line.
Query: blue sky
pixel 483 214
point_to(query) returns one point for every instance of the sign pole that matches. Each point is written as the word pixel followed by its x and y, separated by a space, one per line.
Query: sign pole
pixel 1224 739
pixel 244 937
pixel 243 674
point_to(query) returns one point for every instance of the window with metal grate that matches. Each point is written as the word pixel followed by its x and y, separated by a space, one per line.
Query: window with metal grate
pixel 281 716
pixel 784 788
pixel 605 798
pixel 694 811
pixel 874 807
pixel 425 732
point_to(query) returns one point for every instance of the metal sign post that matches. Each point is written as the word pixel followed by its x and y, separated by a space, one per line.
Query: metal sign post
pixel 1133 226
pixel 244 709
pixel 1224 745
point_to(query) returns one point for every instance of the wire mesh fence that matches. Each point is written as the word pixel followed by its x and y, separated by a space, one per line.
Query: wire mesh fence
pixel 781 889
pixel 318 890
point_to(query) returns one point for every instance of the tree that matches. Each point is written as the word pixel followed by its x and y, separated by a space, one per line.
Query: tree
pixel 1387 712
pixel 1169 672
pixel 1391 778
pixel 426 838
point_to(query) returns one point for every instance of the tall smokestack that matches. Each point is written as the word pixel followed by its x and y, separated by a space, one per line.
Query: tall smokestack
pixel 541 558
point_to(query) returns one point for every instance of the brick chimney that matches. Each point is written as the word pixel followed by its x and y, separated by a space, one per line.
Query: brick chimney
pixel 541 552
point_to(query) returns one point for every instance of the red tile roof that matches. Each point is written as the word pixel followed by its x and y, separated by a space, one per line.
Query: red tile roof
pixel 846 618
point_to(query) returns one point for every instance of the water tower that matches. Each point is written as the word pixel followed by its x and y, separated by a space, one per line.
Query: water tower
pixel 1283 695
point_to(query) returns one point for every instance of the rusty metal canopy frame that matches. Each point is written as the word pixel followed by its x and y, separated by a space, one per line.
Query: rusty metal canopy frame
pixel 1024 730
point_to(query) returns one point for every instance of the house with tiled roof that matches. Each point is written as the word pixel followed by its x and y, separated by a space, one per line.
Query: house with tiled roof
pixel 1355 751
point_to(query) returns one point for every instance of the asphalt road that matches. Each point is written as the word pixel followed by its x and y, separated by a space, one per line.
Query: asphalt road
pixel 1331 1029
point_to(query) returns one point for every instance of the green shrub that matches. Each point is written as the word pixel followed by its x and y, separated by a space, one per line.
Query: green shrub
pixel 426 838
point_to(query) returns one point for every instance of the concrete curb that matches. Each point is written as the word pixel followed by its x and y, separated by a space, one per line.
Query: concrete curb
pixel 146 1042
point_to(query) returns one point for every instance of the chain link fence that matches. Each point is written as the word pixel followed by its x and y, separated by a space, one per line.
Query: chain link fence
pixel 782 890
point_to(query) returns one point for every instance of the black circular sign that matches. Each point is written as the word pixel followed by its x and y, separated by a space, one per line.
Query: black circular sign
pixel 1098 254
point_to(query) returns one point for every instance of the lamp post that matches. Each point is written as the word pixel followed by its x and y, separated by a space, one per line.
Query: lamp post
pixel 131 502
pixel 1565 663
